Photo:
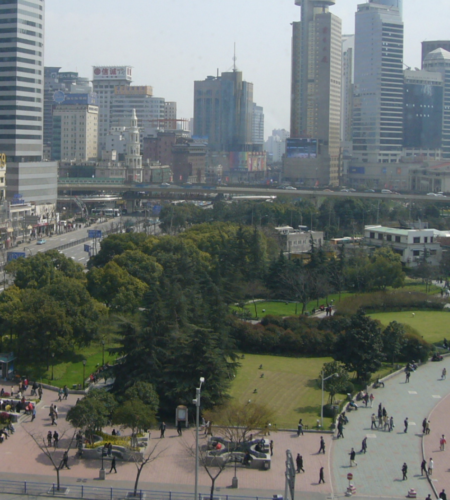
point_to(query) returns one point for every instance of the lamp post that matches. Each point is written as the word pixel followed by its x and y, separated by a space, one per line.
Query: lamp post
pixel 196 401
pixel 84 371
pixel 53 356
pixel 103 352
pixel 321 407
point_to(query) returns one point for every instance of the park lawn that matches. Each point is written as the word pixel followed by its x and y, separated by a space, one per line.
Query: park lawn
pixel 431 325
pixel 69 371
pixel 412 285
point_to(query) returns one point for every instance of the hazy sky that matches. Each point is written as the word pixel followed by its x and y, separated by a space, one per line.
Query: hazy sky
pixel 171 43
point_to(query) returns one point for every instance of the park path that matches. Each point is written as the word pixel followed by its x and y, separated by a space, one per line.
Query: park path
pixel 378 472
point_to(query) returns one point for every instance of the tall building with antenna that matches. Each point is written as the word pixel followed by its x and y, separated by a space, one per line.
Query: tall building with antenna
pixel 313 150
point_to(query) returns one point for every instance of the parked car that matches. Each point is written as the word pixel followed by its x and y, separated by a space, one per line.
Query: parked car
pixel 386 191
pixel 291 188
pixel 41 241
pixel 431 194
pixel 369 190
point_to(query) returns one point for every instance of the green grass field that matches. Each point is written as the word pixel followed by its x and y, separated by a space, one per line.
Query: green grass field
pixel 431 325
pixel 289 387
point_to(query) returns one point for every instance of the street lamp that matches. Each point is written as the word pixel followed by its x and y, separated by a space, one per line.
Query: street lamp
pixel 196 401
pixel 53 356
pixel 84 371
pixel 321 408
pixel 103 352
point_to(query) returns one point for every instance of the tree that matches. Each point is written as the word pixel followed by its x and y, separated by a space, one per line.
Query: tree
pixel 360 346
pixel 54 455
pixel 145 393
pixel 393 340
pixel 334 385
pixel 386 269
pixel 140 461
pixel 134 415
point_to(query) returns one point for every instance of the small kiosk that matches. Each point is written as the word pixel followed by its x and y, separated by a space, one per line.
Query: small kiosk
pixel 6 364
pixel 181 415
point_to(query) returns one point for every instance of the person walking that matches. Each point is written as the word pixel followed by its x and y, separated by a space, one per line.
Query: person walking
pixel 427 428
pixel 55 439
pixel 60 394
pixel 179 431
pixel 444 374
pixel 299 462
pixel 66 392
pixel 430 467
pixel 386 423
pixel 364 445
pixel 113 466
pixel 424 425
pixel 405 471
pixel 352 458
pixel 300 427
pixel 321 479
pixel 33 413
pixel 423 467
pixel 391 423
pixel 162 428
pixel 374 422
pixel 271 448
pixel 371 397
pixel 408 375
pixel 65 460
pixel 40 391
pixel 340 428
pixel 49 438
pixel 322 445
pixel 406 425
pixel 442 443
pixel 443 495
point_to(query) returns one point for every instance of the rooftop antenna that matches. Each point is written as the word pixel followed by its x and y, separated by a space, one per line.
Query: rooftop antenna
pixel 234 58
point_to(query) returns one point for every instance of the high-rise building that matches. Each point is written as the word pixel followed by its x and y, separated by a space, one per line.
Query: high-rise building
pixel 258 124
pixel 313 151
pixel 223 112
pixel 430 45
pixel 423 111
pixel 21 96
pixel 378 94
pixel 75 132
pixel 348 57
pixel 439 61
pixel 106 79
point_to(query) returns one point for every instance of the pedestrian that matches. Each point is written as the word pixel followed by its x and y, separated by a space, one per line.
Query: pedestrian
pixel 424 425
pixel 299 461
pixel 430 467
pixel 271 448
pixel 60 394
pixel 322 445
pixel 321 479
pixel 65 460
pixel 405 471
pixel 384 412
pixel 442 443
pixel 444 374
pixel 364 445
pixel 162 428
pixel 340 428
pixel 33 413
pixel 371 397
pixel 423 467
pixel 55 439
pixel 406 425
pixel 443 495
pixel 179 431
pixel 352 458
pixel 300 427
pixel 113 466
pixel 49 438
pixel 66 392
pixel 391 424
pixel 408 374
pixel 40 391
pixel 386 422
pixel 427 427
pixel 374 422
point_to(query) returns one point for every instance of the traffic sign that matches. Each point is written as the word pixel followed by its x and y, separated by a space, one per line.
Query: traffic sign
pixel 349 476
pixel 94 233
pixel 87 248
pixel 14 255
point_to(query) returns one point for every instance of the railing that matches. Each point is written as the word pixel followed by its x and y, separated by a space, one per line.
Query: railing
pixel 89 180
pixel 104 493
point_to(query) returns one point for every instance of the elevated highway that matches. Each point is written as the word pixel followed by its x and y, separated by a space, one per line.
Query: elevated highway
pixel 111 186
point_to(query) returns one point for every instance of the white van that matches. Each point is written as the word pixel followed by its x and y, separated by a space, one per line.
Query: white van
pixel 386 191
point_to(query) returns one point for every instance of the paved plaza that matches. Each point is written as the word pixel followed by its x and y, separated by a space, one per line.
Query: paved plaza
pixel 376 475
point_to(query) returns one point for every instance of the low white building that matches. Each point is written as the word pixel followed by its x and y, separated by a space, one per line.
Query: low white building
pixel 299 241
pixel 410 244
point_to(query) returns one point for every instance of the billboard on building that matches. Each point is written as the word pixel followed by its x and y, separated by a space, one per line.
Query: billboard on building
pixel 112 73
pixel 60 97
pixel 247 161
pixel 357 170
pixel 301 148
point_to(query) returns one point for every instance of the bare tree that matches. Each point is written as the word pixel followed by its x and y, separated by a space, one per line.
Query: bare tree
pixel 140 461
pixel 53 453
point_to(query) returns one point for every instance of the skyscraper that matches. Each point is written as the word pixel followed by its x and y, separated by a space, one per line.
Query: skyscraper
pixel 378 94
pixel 348 56
pixel 430 45
pixel 315 96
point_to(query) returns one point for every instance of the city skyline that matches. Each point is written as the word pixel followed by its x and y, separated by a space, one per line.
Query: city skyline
pixel 177 55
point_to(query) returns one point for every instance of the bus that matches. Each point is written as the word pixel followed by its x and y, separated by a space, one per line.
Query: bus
pixel 106 212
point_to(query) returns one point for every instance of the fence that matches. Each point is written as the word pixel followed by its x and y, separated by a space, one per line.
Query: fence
pixel 104 493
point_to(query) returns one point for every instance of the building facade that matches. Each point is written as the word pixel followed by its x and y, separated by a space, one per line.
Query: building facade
pixel 258 124
pixel 378 94
pixel 348 57
pixel 431 45
pixel 105 80
pixel 315 95
pixel 75 132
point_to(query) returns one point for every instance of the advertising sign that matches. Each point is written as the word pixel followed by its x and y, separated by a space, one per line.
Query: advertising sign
pixel 112 73
pixel 301 148
pixel 14 255
pixel 87 248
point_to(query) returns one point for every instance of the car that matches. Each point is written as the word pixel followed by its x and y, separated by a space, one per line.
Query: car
pixel 386 191
pixel 441 195
pixel 431 194
pixel 328 191
pixel 41 241
pixel 369 190
pixel 291 188
pixel 165 184
pixel 352 190
pixel 344 190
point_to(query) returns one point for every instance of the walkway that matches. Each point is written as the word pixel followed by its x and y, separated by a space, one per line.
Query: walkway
pixel 378 472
